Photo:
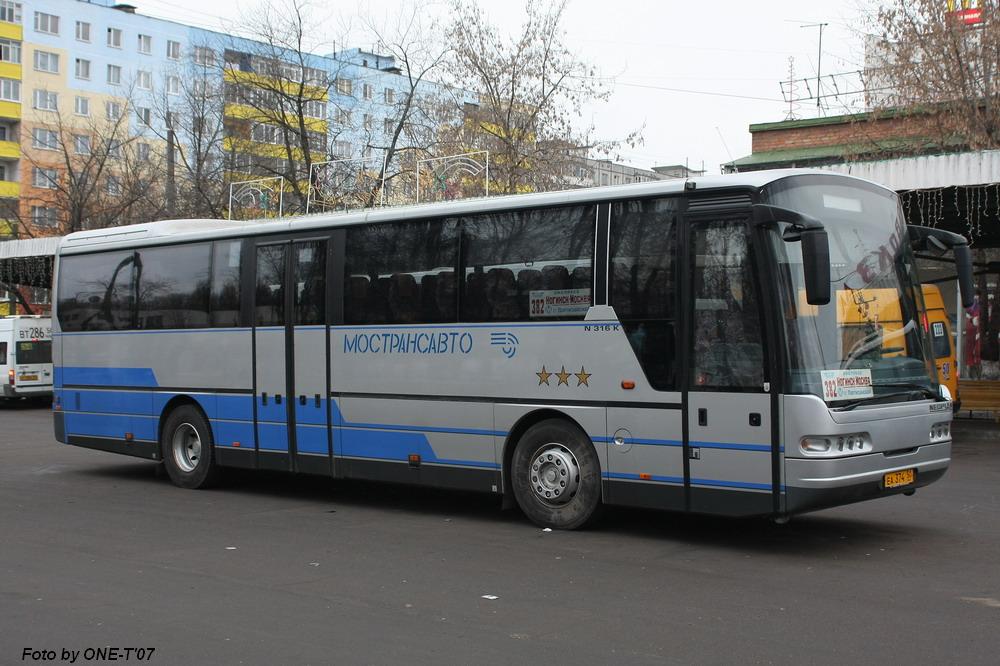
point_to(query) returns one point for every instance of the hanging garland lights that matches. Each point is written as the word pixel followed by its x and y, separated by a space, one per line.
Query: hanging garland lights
pixel 971 208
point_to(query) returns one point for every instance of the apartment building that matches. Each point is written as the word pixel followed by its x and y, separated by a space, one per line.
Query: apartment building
pixel 74 73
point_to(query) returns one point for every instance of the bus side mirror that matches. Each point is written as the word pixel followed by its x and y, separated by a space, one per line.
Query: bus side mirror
pixel 815 247
pixel 938 241
pixel 816 266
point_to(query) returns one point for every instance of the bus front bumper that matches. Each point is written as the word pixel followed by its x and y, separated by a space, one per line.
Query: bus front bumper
pixel 816 483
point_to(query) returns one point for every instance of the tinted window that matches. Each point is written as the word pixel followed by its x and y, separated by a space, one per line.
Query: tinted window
pixel 3 353
pixel 269 305
pixel 172 286
pixel 34 352
pixel 95 292
pixel 226 284
pixel 642 284
pixel 523 265
pixel 310 282
pixel 939 338
pixel 728 352
pixel 401 273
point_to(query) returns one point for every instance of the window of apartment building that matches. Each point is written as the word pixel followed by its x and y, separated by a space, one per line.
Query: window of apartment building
pixel 82 31
pixel 47 62
pixel 314 108
pixel 10 90
pixel 142 152
pixel 144 79
pixel 144 114
pixel 390 96
pixel 45 139
pixel 43 216
pixel 174 85
pixel 114 75
pixel 81 144
pixel 367 121
pixel 264 133
pixel 367 90
pixel 113 148
pixel 342 148
pixel 113 110
pixel 173 50
pixel 115 38
pixel 44 178
pixel 4 133
pixel 82 107
pixel 10 11
pixel 114 186
pixel 389 126
pixel 344 86
pixel 146 44
pixel 47 23
pixel 82 69
pixel 173 119
pixel 46 100
pixel 343 116
pixel 3 176
pixel 10 51
pixel 204 56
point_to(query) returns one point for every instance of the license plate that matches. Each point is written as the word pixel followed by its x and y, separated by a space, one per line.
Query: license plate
pixel 903 477
pixel 29 378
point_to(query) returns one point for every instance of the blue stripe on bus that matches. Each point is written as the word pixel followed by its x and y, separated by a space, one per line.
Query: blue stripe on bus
pixel 70 334
pixel 677 442
pixel 227 433
pixel 457 431
pixel 111 425
pixel 695 482
pixel 635 477
pixel 731 484
pixel 139 377
pixel 389 445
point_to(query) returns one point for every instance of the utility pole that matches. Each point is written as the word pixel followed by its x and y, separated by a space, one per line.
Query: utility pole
pixel 819 65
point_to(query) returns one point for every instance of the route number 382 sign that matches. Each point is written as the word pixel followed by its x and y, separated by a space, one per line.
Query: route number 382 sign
pixel 846 384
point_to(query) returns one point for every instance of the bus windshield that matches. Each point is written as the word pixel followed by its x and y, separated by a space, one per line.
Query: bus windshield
pixel 870 340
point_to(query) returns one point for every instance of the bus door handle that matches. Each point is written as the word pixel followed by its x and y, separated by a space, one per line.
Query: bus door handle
pixel 277 398
pixel 316 397
pixel 263 398
pixel 302 400
pixel 702 416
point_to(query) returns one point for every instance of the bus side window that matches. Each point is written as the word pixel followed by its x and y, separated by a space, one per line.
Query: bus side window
pixel 95 291
pixel 3 353
pixel 225 300
pixel 642 284
pixel 728 352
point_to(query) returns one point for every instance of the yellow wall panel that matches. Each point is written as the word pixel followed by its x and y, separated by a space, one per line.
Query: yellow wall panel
pixel 10 109
pixel 9 190
pixel 9 70
pixel 10 149
pixel 11 31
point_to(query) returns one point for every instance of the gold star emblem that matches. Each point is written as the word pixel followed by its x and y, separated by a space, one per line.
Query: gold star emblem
pixel 583 377
pixel 543 377
pixel 563 376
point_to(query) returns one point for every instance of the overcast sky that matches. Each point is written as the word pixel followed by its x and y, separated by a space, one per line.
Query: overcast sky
pixel 655 51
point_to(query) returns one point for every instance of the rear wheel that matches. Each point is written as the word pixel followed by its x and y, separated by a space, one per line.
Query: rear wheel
pixel 556 475
pixel 186 448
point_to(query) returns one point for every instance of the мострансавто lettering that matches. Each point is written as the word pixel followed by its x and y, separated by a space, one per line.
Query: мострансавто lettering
pixel 453 342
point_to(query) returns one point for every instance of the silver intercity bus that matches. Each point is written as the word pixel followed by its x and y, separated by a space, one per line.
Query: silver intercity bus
pixel 708 345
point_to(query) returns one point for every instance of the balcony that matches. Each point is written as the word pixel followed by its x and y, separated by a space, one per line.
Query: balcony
pixel 10 110
pixel 11 31
pixel 10 150
pixel 9 189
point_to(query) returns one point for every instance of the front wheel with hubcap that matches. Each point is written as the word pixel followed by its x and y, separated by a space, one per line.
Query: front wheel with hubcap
pixel 556 475
pixel 186 448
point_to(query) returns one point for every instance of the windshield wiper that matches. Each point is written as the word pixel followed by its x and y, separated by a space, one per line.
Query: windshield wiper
pixel 917 389
pixel 911 385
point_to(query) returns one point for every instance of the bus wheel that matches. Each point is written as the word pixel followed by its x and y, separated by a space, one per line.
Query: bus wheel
pixel 556 475
pixel 186 448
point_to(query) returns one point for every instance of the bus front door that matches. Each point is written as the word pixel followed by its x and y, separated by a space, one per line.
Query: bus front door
pixel 729 443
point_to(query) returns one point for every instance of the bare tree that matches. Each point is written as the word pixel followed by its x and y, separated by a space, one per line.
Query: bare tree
pixel 939 71
pixel 419 50
pixel 281 95
pixel 531 90
pixel 95 172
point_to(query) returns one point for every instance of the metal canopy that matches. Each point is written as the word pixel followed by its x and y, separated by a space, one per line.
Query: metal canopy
pixel 28 262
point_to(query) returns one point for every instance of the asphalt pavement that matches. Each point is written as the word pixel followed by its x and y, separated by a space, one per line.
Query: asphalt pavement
pixel 98 552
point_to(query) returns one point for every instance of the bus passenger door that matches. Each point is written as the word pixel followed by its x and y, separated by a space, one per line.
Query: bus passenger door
pixel 311 434
pixel 729 442
pixel 270 356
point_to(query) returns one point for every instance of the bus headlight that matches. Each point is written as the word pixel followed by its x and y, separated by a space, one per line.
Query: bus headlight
pixel 834 445
pixel 940 432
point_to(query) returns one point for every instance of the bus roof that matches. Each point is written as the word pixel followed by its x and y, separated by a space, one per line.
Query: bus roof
pixel 172 231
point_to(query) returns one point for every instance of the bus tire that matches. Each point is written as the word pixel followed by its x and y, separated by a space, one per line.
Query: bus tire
pixel 556 475
pixel 186 447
